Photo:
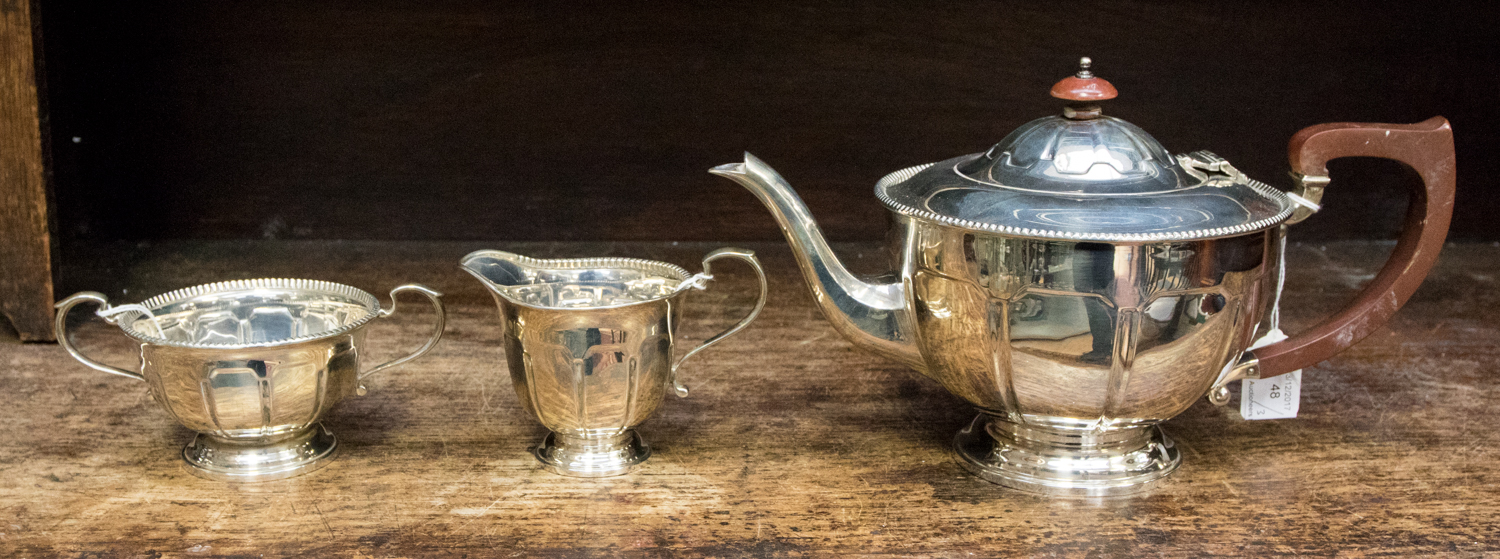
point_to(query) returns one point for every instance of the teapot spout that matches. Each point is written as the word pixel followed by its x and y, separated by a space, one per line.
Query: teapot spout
pixel 872 314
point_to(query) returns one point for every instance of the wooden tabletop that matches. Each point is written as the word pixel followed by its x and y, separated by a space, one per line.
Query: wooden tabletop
pixel 791 444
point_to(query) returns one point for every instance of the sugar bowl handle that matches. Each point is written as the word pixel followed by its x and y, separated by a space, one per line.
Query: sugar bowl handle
pixel 437 329
pixel 749 257
pixel 1426 146
pixel 60 330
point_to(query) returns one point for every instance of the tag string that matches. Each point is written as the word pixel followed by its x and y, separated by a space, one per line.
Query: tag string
pixel 1280 283
pixel 1274 333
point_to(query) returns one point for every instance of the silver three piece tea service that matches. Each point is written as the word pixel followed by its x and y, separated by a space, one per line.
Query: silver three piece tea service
pixel 1075 282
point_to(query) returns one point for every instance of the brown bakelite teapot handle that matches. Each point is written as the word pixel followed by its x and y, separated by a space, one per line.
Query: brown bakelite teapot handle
pixel 1426 146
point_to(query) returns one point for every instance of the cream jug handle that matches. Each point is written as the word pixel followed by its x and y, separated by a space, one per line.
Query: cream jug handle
pixel 749 257
pixel 1427 147
pixel 60 329
pixel 437 329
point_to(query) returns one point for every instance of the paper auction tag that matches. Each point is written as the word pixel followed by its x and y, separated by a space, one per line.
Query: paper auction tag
pixel 1271 398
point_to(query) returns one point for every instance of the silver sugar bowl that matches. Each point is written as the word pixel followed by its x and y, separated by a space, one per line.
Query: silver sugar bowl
pixel 590 345
pixel 251 365
pixel 1079 284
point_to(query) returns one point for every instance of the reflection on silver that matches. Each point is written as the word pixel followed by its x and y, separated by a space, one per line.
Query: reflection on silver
pixel 1072 350
pixel 251 366
pixel 589 343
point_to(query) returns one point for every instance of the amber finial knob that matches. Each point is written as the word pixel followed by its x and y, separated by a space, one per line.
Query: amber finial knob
pixel 1083 86
pixel 1083 68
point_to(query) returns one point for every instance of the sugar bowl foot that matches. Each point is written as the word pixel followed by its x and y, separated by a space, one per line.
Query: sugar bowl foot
pixel 605 456
pixel 1066 462
pixel 293 454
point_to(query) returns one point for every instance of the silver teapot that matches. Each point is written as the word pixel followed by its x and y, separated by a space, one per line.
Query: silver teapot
pixel 1079 284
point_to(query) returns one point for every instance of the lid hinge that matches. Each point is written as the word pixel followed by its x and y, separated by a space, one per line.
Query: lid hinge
pixel 1202 162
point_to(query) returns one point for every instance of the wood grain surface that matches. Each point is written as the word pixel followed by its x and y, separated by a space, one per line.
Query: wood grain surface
pixel 26 247
pixel 473 120
pixel 792 444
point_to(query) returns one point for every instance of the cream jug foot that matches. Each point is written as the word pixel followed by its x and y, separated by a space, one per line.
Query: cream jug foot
pixel 605 456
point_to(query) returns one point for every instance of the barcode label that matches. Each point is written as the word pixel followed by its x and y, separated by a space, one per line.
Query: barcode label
pixel 1271 398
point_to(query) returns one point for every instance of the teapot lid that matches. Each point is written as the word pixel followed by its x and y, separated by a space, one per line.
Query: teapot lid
pixel 1086 176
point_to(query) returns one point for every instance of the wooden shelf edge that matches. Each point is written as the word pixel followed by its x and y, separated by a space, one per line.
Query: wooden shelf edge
pixel 26 248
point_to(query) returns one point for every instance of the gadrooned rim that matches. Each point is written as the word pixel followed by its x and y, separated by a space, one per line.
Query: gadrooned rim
pixel 666 268
pixel 1199 234
pixel 369 301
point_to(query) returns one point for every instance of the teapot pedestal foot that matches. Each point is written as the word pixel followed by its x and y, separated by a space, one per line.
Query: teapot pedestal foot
pixel 604 456
pixel 280 457
pixel 1066 462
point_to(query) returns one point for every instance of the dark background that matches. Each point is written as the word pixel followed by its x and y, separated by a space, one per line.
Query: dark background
pixel 472 120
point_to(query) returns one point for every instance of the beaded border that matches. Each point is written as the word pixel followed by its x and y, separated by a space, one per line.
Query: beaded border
pixel 650 266
pixel 369 301
pixel 906 174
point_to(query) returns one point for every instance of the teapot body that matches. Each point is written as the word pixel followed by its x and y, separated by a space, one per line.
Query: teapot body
pixel 1082 335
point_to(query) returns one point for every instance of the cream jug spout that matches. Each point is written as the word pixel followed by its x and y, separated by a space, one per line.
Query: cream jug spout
pixel 497 269
pixel 872 314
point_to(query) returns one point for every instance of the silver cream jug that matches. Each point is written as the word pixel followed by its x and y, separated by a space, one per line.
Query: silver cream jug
pixel 590 342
